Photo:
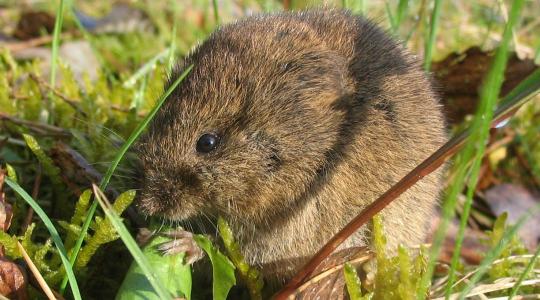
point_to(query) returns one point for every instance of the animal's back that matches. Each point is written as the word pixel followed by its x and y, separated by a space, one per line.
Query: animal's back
pixel 320 112
pixel 391 125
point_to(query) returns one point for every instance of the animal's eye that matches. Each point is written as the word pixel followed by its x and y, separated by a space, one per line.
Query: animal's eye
pixel 207 142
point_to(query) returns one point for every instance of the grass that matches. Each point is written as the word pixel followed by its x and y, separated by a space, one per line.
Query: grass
pixel 119 156
pixel 494 253
pixel 130 243
pixel 54 56
pixel 430 42
pixel 54 235
pixel 134 64
pixel 475 149
pixel 524 274
pixel 216 11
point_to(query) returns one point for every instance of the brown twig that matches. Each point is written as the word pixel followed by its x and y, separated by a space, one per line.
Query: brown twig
pixel 72 102
pixel 506 110
pixel 507 139
pixel 35 192
pixel 36 126
pixel 42 40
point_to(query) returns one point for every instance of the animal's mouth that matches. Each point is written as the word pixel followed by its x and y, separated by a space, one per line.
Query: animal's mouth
pixel 170 208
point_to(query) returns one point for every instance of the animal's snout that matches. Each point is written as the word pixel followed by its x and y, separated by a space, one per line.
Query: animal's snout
pixel 186 177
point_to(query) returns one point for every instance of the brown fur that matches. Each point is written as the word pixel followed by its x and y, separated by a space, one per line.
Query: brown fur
pixel 319 113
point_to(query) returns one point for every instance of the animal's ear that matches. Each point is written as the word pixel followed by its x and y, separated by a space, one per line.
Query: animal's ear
pixel 321 77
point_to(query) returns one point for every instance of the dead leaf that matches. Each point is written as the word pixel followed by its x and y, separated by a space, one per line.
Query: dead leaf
pixel 460 77
pixel 121 19
pixel 77 54
pixel 517 201
pixel 33 24
pixel 472 249
pixel 12 280
pixel 328 281
pixel 76 170
pixel 6 212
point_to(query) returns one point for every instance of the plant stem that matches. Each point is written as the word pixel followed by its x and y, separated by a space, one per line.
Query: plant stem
pixel 476 147
pixel 430 42
pixel 59 20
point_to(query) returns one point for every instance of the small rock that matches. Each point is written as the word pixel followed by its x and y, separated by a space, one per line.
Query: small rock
pixel 517 201
pixel 78 55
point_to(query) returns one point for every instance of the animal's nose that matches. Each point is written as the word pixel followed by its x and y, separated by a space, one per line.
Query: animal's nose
pixel 186 176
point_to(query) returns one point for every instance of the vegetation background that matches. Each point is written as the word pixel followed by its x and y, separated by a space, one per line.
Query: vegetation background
pixel 78 78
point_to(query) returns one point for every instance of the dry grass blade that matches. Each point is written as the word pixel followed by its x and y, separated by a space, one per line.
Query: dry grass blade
pixel 503 284
pixel 130 244
pixel 329 283
pixel 515 258
pixel 41 281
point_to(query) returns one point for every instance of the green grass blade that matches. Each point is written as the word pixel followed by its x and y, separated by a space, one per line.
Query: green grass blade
pixel 146 68
pixel 170 269
pixel 131 245
pixel 172 47
pixel 88 37
pixel 352 282
pixel 105 181
pixel 54 235
pixel 216 11
pixel 495 252
pixel 474 149
pixel 403 6
pixel 489 95
pixel 391 18
pixel 59 20
pixel 430 42
pixel 524 274
pixel 526 88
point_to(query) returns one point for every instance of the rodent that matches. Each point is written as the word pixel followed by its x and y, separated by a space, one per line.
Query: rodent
pixel 288 125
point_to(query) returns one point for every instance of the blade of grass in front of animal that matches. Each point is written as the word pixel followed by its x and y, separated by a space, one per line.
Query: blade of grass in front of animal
pixel 105 181
pixel 54 235
pixel 479 136
pixel 59 20
pixel 430 42
pixel 524 274
pixel 130 243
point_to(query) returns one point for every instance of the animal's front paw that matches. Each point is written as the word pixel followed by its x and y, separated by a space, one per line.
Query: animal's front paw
pixel 182 242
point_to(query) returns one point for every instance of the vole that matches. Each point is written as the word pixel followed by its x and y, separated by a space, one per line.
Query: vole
pixel 288 125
